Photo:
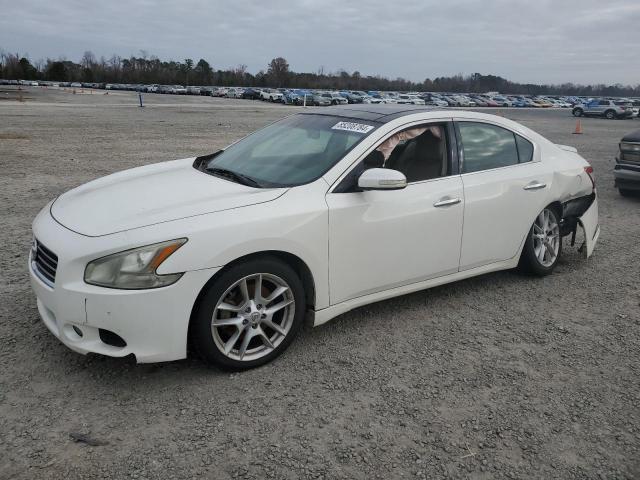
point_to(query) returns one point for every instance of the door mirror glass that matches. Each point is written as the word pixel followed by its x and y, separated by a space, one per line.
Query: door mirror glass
pixel 382 179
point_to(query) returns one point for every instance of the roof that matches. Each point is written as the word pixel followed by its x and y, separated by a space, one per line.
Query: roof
pixel 382 113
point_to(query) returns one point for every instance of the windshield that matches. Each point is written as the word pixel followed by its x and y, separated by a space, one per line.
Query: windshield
pixel 296 150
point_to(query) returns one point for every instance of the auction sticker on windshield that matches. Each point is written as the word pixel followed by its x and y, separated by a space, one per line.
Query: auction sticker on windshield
pixel 352 127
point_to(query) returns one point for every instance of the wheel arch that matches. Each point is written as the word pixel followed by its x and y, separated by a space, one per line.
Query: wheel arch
pixel 555 205
pixel 294 261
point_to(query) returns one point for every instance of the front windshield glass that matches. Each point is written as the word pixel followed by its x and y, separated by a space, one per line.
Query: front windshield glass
pixel 296 150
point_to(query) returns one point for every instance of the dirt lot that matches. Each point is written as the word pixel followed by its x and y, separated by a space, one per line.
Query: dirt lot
pixel 501 376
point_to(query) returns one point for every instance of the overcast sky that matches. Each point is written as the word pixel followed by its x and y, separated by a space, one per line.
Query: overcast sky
pixel 540 41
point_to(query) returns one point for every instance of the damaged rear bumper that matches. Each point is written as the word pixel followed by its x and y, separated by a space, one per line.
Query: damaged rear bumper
pixel 590 226
pixel 583 212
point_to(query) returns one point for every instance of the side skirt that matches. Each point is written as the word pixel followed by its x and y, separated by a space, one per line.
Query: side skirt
pixel 326 314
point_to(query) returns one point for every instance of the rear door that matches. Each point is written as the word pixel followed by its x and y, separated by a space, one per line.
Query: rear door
pixel 505 187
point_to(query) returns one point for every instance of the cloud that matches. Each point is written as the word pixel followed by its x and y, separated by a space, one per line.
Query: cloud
pixel 582 41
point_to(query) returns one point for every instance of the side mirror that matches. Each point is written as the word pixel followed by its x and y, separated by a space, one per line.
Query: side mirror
pixel 382 179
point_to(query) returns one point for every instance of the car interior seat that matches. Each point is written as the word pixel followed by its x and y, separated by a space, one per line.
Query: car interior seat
pixel 423 158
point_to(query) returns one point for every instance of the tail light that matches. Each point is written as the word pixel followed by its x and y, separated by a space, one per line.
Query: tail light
pixel 589 171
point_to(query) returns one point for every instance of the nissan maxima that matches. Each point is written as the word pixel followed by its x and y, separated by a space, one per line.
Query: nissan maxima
pixel 310 217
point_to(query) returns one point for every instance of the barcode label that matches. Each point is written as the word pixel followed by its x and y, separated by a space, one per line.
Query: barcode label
pixel 352 127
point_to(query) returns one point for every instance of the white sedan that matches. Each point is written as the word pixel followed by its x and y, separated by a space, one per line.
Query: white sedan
pixel 312 216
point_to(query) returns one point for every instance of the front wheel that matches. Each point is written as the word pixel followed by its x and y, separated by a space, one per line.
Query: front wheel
pixel 626 193
pixel 543 245
pixel 610 114
pixel 577 112
pixel 249 315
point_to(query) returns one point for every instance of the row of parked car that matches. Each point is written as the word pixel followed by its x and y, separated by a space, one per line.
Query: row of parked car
pixel 611 108
pixel 619 107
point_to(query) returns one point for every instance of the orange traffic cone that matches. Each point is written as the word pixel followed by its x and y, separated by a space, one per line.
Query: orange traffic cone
pixel 578 130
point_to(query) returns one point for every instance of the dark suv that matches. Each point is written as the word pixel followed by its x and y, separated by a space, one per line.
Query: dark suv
pixel 627 169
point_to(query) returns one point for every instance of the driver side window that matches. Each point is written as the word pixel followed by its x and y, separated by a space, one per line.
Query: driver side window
pixel 419 152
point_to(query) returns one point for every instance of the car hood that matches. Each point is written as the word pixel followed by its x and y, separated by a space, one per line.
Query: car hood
pixel 149 195
pixel 632 137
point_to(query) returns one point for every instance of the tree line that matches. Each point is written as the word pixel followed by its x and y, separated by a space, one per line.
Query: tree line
pixel 146 69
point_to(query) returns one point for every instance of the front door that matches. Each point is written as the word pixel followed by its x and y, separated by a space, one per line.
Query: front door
pixel 379 240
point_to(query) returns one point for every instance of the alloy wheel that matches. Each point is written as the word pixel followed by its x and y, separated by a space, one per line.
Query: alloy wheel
pixel 546 238
pixel 253 316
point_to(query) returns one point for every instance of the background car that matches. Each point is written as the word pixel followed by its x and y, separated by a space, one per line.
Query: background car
pixel 318 100
pixel 351 97
pixel 335 98
pixel 220 91
pixel 627 169
pixel 410 100
pixel 271 95
pixel 234 92
pixel 251 94
pixel 602 108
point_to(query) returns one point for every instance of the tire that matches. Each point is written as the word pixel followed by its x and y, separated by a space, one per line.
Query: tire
pixel 577 112
pixel 548 247
pixel 240 314
pixel 627 193
pixel 610 114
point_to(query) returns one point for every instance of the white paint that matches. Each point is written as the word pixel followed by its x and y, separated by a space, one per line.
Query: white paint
pixel 360 247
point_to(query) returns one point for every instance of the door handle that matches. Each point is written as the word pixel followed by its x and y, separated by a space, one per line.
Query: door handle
pixel 534 186
pixel 443 202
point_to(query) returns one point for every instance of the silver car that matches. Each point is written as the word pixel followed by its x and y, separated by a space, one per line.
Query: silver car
pixel 602 108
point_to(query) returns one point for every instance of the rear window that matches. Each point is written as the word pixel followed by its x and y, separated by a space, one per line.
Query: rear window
pixel 487 146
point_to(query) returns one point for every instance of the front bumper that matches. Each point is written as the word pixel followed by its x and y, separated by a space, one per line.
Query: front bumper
pixel 153 323
pixel 627 177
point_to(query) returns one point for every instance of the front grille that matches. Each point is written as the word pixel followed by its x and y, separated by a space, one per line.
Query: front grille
pixel 45 263
pixel 631 157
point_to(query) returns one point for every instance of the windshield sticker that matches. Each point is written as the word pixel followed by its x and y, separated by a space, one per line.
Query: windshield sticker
pixel 353 127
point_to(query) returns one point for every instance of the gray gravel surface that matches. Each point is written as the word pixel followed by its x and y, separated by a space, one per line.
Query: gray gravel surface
pixel 500 376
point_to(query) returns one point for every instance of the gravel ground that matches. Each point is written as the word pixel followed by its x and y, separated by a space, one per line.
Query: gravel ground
pixel 500 376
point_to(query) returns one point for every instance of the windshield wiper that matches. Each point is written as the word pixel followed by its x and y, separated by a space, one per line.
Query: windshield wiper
pixel 233 176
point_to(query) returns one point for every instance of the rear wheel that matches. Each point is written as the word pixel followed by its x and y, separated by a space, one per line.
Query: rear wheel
pixel 626 193
pixel 543 246
pixel 249 315
pixel 577 112
pixel 610 114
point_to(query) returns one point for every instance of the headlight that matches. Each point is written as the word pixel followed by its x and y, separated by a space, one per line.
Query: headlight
pixel 134 269
pixel 630 147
